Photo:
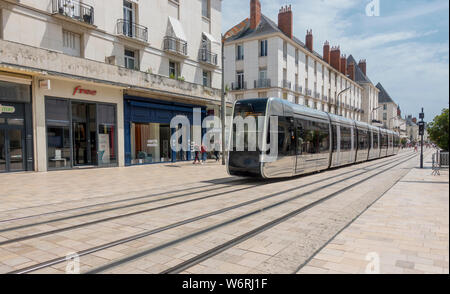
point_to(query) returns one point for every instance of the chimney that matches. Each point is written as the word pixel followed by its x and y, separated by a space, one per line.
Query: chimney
pixel 255 13
pixel 362 65
pixel 335 56
pixel 351 71
pixel 344 65
pixel 309 40
pixel 326 52
pixel 285 20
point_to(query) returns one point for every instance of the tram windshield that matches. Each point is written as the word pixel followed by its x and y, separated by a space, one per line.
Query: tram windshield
pixel 249 110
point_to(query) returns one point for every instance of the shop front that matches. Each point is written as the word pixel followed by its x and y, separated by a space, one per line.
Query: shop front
pixel 148 132
pixel 16 131
pixel 81 126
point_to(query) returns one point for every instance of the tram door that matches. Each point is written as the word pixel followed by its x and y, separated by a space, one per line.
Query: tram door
pixel 299 134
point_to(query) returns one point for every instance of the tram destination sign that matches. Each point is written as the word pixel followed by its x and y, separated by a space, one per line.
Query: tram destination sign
pixel 7 109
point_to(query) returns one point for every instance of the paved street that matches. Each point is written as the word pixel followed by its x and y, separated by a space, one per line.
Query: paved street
pixel 197 219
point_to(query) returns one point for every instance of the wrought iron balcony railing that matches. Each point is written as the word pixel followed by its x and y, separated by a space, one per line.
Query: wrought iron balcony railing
pixel 298 88
pixel 132 30
pixel 286 84
pixel 262 83
pixel 308 92
pixel 206 56
pixel 175 45
pixel 238 86
pixel 74 9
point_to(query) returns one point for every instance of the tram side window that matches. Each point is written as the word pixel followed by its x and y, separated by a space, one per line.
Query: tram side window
pixel 285 145
pixel 346 139
pixel 315 137
pixel 375 140
pixel 363 139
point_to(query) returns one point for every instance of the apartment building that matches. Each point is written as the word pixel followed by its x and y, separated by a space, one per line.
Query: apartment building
pixel 264 59
pixel 389 113
pixel 95 83
pixel 370 92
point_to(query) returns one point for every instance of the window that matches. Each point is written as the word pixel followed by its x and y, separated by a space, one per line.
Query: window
pixel 306 63
pixel 384 106
pixel 263 74
pixel 206 78
pixel 297 100
pixel 240 79
pixel 296 56
pixel 285 96
pixel 174 69
pixel 285 50
pixel 263 48
pixel 129 18
pixel 131 61
pixel 323 72
pixel 313 137
pixel 315 67
pixel 240 52
pixel 206 8
pixel 71 43
pixel 306 102
pixel 384 116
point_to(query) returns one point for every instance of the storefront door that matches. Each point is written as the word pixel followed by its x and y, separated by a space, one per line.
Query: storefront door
pixel 11 149
pixel 84 130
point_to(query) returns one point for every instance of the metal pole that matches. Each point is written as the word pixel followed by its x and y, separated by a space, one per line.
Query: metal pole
pixel 223 114
pixel 421 143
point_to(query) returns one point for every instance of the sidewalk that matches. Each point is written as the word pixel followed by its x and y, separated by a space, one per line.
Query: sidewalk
pixel 405 231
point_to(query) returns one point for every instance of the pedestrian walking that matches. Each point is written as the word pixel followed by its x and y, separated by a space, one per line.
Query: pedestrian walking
pixel 196 154
pixel 203 150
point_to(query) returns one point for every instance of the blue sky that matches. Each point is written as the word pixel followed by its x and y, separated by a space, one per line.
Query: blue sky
pixel 406 46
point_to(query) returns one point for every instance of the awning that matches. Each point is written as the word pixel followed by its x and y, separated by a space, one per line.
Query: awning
pixel 210 38
pixel 177 28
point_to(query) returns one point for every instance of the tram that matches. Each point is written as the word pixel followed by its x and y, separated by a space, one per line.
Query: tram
pixel 308 140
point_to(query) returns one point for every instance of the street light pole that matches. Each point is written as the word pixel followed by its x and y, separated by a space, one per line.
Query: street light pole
pixel 340 93
pixel 421 133
pixel 223 105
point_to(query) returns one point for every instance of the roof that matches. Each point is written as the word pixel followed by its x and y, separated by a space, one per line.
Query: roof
pixel 359 75
pixel 383 96
pixel 266 26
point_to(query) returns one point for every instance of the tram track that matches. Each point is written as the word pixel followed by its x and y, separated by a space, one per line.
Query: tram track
pixel 177 224
pixel 84 224
pixel 243 237
pixel 105 203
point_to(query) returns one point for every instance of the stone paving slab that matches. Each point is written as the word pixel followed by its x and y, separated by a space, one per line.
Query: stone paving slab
pixel 404 232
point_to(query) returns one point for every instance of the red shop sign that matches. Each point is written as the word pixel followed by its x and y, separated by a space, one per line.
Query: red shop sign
pixel 80 90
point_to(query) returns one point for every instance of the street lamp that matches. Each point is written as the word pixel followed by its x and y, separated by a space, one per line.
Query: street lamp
pixel 340 93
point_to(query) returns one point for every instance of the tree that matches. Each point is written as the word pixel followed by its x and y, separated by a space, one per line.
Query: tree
pixel 438 130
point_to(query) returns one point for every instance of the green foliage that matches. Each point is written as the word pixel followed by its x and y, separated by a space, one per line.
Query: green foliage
pixel 180 79
pixel 438 130
pixel 172 76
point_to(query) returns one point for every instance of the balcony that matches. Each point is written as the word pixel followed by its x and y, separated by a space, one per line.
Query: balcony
pixel 207 57
pixel 286 84
pixel 131 30
pixel 298 89
pixel 175 46
pixel 325 98
pixel 238 86
pixel 74 10
pixel 316 95
pixel 262 83
pixel 308 92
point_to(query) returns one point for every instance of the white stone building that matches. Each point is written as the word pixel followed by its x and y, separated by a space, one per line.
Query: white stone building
pixel 264 59
pixel 117 70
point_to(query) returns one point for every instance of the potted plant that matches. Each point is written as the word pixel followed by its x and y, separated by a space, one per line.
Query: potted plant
pixel 172 76
pixel 87 18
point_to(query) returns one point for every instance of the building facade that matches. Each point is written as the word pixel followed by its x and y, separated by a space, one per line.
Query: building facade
pixel 96 83
pixel 264 59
